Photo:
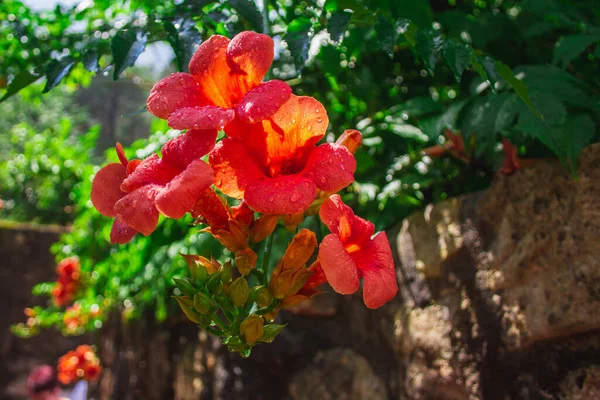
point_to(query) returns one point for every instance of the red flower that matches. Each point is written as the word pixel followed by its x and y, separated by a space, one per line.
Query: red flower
pixel 276 166
pixel 68 281
pixel 135 192
pixel 224 82
pixel 81 363
pixel 511 162
pixel 351 252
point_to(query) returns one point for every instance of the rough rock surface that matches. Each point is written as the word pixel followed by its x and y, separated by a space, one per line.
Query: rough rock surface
pixel 502 289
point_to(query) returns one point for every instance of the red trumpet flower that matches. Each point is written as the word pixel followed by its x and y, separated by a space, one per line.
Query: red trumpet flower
pixel 351 252
pixel 224 83
pixel 134 192
pixel 276 166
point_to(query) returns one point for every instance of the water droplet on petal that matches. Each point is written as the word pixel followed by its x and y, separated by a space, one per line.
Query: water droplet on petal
pixel 319 120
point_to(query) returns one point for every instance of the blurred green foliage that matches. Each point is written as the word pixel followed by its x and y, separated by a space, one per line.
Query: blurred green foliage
pixel 401 71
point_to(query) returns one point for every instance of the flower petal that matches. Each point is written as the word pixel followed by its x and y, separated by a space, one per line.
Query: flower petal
pixel 137 209
pixel 180 195
pixel 207 117
pixel 340 219
pixel 289 194
pixel 152 170
pixel 250 54
pixel 376 265
pixel 187 147
pixel 331 167
pixel 105 188
pixel 284 140
pixel 263 101
pixel 338 265
pixel 121 233
pixel 211 211
pixel 209 67
pixel 176 91
pixel 234 168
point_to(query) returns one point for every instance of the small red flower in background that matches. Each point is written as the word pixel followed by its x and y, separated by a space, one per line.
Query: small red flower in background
pixel 81 363
pixel 224 83
pixel 351 252
pixel 275 165
pixel 68 282
pixel 134 192
pixel 511 161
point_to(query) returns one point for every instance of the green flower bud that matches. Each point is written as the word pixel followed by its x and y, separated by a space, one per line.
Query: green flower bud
pixel 252 328
pixel 226 271
pixel 239 291
pixel 214 283
pixel 185 286
pixel 270 332
pixel 202 303
pixel 188 308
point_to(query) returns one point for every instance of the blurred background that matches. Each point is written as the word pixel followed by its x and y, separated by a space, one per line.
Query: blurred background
pixel 438 88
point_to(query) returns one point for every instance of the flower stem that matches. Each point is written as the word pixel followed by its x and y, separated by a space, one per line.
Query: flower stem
pixel 220 323
pixel 266 257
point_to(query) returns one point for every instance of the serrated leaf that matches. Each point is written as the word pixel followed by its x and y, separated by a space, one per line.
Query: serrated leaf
pixel 517 85
pixel 507 113
pixel 418 106
pixel 56 71
pixel 434 126
pixel 20 81
pixel 338 23
pixel 548 131
pixel 126 47
pixel 183 40
pixel 489 66
pixel 429 46
pixel 410 132
pixel 570 47
pixel 458 57
pixel 386 35
pixel 248 10
pixel 90 60
pixel 298 40
pixel 579 131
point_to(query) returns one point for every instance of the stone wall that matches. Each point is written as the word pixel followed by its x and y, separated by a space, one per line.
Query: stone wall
pixel 499 299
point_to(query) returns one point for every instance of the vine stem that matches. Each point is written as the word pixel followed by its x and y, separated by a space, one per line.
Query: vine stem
pixel 267 30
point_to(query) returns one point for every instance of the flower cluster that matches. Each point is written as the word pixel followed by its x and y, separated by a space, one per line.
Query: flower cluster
pixel 78 364
pixel 76 317
pixel 271 166
pixel 69 281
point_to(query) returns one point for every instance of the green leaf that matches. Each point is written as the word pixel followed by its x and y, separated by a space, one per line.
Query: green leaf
pixel 429 46
pixel 21 80
pixel 507 113
pixel 570 47
pixel 338 23
pixel 458 57
pixel 547 130
pixel 518 86
pixel 270 332
pixel 579 131
pixel 410 132
pixel 489 66
pixel 90 60
pixel 434 126
pixel 57 70
pixel 297 38
pixel 183 40
pixel 386 35
pixel 249 11
pixel 418 106
pixel 126 47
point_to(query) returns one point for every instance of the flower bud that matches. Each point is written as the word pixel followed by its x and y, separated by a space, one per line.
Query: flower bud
pixel 226 271
pixel 252 328
pixel 185 286
pixel 291 221
pixel 264 297
pixel 350 139
pixel 263 227
pixel 188 309
pixel 214 283
pixel 239 291
pixel 245 261
pixel 202 303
